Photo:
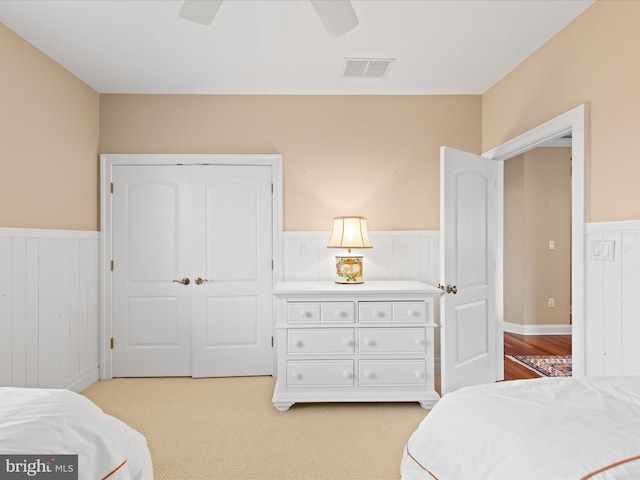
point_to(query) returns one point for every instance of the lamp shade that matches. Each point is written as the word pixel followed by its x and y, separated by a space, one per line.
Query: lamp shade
pixel 349 232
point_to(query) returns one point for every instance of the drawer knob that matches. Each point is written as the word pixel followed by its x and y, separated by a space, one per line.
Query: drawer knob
pixel 419 341
pixel 348 342
pixel 368 374
pixel 419 374
pixel 347 374
pixel 340 314
pixel 296 375
pixel 378 314
pixel 296 343
pixel 413 313
pixel 369 343
pixel 306 314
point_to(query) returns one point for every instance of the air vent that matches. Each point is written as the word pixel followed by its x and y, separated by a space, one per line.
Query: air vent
pixel 366 67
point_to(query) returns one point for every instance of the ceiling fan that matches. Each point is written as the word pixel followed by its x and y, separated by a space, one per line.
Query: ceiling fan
pixel 337 16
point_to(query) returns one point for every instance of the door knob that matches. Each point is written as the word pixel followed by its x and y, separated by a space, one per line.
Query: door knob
pixel 200 281
pixel 184 281
pixel 452 289
pixel 440 286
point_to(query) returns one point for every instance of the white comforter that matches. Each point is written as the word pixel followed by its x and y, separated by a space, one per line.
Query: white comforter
pixel 547 428
pixel 44 421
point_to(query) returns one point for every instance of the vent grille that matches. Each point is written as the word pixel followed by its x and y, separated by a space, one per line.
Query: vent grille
pixel 366 67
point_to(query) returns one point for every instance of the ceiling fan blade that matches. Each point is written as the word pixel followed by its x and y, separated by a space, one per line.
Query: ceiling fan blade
pixel 200 11
pixel 337 16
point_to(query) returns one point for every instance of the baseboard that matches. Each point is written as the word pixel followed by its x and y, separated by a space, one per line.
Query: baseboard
pixel 536 329
pixel 82 381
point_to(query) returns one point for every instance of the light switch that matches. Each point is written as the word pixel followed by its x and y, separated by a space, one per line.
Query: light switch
pixel 603 250
pixel 607 250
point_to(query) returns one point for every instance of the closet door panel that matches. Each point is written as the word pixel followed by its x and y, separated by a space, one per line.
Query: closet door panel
pixel 151 248
pixel 232 240
pixel 232 252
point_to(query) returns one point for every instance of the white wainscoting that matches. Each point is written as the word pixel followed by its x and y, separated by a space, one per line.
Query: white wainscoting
pixel 396 255
pixel 613 301
pixel 48 308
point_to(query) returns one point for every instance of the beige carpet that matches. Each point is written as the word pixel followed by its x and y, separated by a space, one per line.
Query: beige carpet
pixel 226 428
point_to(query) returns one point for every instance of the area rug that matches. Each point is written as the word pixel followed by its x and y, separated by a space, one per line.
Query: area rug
pixel 546 365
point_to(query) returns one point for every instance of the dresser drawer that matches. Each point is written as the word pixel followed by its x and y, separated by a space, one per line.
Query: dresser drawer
pixel 383 373
pixel 407 312
pixel 328 373
pixel 375 312
pixel 392 340
pixel 320 340
pixel 337 312
pixel 299 312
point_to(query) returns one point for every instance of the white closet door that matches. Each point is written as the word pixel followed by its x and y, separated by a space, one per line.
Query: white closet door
pixel 151 248
pixel 232 251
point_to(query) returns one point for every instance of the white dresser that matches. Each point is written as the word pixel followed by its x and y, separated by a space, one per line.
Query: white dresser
pixel 371 342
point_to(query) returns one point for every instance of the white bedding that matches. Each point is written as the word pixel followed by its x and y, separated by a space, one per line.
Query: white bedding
pixel 47 421
pixel 547 428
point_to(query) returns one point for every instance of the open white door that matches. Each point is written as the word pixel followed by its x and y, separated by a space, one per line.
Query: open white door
pixel 467 270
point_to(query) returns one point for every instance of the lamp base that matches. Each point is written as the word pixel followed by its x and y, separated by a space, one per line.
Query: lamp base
pixel 349 269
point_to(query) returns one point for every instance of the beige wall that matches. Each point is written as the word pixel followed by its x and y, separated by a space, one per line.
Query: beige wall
pixel 592 61
pixel 514 240
pixel 537 210
pixel 385 147
pixel 376 156
pixel 48 142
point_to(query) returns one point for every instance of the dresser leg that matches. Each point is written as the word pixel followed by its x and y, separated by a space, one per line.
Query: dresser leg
pixel 282 406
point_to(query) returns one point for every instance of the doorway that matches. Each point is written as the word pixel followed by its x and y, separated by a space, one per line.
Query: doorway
pixel 537 262
pixel 572 122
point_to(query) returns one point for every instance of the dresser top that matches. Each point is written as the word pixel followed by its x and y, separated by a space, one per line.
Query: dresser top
pixel 369 287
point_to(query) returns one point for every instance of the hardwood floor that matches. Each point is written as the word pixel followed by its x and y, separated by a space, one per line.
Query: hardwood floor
pixel 515 344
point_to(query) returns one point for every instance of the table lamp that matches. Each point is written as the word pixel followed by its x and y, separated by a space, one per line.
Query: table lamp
pixel 349 232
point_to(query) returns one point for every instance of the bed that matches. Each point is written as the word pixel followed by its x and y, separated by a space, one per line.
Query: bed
pixel 547 428
pixel 50 422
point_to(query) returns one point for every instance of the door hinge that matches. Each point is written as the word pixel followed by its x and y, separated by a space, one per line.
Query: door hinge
pixel 112 265
pixel 111 343
pixel 272 341
pixel 272 264
pixel 272 188
pixel 111 187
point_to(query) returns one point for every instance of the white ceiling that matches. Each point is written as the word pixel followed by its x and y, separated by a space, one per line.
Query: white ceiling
pixel 281 47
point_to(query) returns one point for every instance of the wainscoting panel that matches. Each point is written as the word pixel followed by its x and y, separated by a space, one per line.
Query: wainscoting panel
pixel 396 255
pixel 613 300
pixel 48 308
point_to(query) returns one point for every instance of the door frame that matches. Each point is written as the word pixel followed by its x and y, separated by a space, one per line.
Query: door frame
pixel 574 121
pixel 108 161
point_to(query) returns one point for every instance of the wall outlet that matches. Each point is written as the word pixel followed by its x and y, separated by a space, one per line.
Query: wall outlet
pixel 552 245
pixel 304 247
pixel 551 302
